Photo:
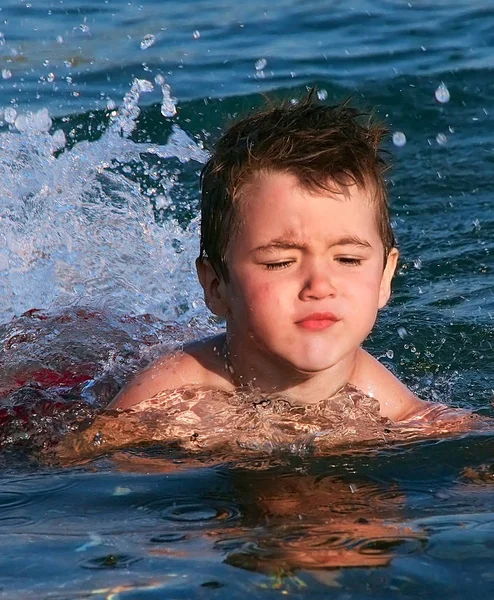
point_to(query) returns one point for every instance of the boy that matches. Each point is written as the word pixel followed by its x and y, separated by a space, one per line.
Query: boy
pixel 297 255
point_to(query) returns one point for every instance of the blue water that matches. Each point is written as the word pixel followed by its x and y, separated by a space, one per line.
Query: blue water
pixel 98 207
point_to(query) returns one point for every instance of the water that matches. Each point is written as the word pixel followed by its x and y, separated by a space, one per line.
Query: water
pixel 107 112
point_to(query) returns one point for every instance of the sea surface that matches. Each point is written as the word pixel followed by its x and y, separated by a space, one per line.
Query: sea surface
pixel 107 111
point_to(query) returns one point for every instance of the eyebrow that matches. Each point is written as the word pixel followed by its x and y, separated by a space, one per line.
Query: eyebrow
pixel 292 244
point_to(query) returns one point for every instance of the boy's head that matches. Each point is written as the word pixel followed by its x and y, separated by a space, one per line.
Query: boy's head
pixel 326 148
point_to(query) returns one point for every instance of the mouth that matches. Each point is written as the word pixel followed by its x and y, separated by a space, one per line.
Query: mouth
pixel 317 321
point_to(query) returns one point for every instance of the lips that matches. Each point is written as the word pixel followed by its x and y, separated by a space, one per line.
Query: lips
pixel 318 321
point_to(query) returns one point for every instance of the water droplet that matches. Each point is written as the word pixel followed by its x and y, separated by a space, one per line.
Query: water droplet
pixel 442 93
pixel 417 263
pixel 21 123
pixel 98 439
pixel 441 139
pixel 161 202
pixel 476 225
pixel 144 85
pixel 399 139
pixel 148 41
pixel 261 64
pixel 322 94
pixel 168 106
pixel 390 353
pixel 50 77
pixel 60 39
pixel 84 28
pixel 402 332
pixel 59 139
pixel 37 122
pixel 196 35
pixel 10 115
pixel 6 73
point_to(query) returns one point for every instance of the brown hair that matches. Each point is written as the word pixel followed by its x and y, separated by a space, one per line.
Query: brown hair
pixel 321 145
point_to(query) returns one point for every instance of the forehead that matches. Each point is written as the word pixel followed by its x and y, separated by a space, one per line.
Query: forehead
pixel 276 201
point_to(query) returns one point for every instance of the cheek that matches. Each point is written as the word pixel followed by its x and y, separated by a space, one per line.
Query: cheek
pixel 258 299
pixel 367 287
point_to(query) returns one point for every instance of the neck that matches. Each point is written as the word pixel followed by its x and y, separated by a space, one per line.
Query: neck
pixel 270 375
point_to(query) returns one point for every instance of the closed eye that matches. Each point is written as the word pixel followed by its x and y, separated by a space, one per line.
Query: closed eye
pixel 278 265
pixel 349 261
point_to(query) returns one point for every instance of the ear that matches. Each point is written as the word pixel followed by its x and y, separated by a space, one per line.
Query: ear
pixel 389 271
pixel 213 286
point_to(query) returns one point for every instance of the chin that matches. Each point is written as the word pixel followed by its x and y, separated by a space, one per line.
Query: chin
pixel 311 367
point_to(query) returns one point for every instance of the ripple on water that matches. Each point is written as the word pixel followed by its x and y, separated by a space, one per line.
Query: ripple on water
pixel 195 513
pixel 387 546
pixel 110 561
pixel 168 538
pixel 11 499
pixel 40 484
pixel 14 522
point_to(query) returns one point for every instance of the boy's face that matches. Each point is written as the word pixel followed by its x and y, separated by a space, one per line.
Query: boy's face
pixel 306 274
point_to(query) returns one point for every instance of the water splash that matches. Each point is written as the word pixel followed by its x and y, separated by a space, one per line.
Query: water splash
pixel 75 229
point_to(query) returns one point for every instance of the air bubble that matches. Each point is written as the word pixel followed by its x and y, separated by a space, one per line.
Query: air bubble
pixel 50 77
pixel 322 95
pixel 261 64
pixel 196 35
pixel 60 39
pixel 442 93
pixel 6 73
pixel 399 139
pixel 148 41
pixel 417 263
pixel 390 354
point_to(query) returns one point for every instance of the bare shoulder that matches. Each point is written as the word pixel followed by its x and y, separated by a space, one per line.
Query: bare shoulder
pixel 396 401
pixel 198 364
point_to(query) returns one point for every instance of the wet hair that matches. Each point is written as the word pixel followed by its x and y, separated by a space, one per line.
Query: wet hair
pixel 327 148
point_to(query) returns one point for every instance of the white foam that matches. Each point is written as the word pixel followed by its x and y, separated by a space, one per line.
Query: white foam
pixel 77 230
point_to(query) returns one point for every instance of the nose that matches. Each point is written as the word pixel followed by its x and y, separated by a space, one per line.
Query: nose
pixel 318 283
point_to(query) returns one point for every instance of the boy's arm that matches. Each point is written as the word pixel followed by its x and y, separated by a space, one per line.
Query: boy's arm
pixel 396 401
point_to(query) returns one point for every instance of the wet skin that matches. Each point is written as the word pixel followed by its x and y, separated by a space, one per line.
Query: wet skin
pixel 306 280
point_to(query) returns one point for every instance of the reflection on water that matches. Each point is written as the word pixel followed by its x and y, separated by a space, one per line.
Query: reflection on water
pixel 293 524
pixel 293 497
